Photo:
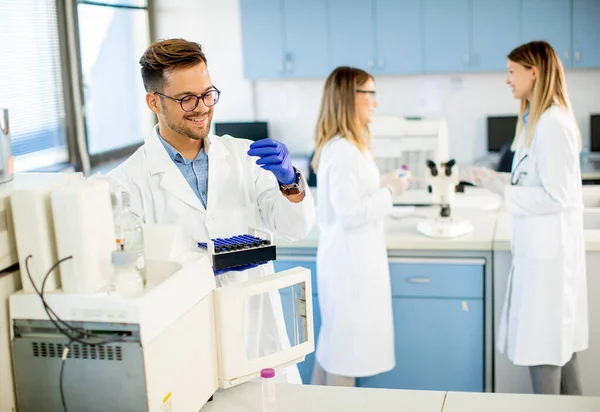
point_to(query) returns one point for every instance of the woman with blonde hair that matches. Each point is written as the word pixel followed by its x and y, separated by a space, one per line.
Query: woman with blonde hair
pixel 544 323
pixel 356 337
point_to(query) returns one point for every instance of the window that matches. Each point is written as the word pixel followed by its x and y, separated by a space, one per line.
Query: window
pixel 31 85
pixel 112 36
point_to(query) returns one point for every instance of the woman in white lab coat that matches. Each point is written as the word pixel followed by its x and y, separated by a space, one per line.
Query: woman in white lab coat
pixel 544 323
pixel 356 337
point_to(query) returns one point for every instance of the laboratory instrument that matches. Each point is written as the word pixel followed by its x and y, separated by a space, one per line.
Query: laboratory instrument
pixel 169 349
pixel 239 252
pixel 7 161
pixel 397 141
pixel 443 182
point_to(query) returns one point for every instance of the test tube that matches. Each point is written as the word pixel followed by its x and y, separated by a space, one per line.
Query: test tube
pixel 268 389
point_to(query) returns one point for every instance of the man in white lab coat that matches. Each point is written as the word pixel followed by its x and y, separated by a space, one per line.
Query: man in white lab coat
pixel 214 186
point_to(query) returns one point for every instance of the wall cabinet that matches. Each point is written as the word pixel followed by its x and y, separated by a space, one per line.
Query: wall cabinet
pixel 309 38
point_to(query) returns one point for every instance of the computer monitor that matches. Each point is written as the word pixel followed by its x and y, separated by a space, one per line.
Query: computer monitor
pixel 500 131
pixel 245 130
pixel 595 132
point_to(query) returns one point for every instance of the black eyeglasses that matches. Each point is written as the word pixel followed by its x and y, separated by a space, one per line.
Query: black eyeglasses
pixel 371 92
pixel 190 102
pixel 519 175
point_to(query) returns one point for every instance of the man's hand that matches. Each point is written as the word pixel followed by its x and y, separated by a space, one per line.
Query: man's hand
pixel 274 157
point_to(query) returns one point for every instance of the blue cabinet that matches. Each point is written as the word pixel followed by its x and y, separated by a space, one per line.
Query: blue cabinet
pixel 284 38
pixel 586 33
pixel 446 35
pixel 496 28
pixel 305 28
pixel 351 35
pixel 262 35
pixel 438 327
pixel 306 367
pixel 549 20
pixel 398 37
pixel 439 346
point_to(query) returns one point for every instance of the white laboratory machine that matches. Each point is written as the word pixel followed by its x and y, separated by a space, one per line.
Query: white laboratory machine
pixel 443 181
pixel 398 141
pixel 170 349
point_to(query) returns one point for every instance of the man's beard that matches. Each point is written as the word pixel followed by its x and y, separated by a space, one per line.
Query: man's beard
pixel 186 131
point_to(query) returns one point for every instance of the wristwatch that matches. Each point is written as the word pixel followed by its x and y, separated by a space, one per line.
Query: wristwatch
pixel 294 187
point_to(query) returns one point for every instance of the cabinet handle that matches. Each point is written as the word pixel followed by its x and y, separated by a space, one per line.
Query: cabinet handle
pixel 577 56
pixel 466 59
pixel 289 63
pixel 371 64
pixel 476 60
pixel 380 63
pixel 566 56
pixel 418 280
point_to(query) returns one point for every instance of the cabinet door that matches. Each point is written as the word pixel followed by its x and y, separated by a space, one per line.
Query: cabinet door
pixel 398 37
pixel 262 38
pixel 496 31
pixel 439 346
pixel 549 20
pixel 446 35
pixel 306 52
pixel 306 367
pixel 586 33
pixel 351 34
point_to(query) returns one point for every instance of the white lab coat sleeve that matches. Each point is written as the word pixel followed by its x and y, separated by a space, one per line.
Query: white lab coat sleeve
pixel 291 221
pixel 351 206
pixel 556 151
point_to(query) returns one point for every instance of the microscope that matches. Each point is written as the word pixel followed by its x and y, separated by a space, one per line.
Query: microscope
pixel 443 182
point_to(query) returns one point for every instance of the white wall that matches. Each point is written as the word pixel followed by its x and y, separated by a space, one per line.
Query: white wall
pixel 291 106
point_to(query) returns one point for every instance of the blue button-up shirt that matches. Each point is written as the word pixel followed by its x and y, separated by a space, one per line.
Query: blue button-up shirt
pixel 195 170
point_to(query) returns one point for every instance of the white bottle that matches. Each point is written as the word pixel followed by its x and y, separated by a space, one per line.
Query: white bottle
pixel 127 282
pixel 268 390
pixel 129 233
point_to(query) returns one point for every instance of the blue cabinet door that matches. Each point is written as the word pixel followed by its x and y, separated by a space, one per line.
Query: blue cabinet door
pixel 496 28
pixel 446 35
pixel 306 367
pixel 262 38
pixel 398 37
pixel 586 33
pixel 439 346
pixel 306 52
pixel 549 20
pixel 351 34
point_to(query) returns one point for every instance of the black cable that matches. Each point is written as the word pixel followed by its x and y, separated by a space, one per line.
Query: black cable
pixel 62 372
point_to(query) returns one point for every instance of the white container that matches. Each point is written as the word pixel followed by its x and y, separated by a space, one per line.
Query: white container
pixel 83 222
pixel 268 390
pixel 127 281
pixel 34 226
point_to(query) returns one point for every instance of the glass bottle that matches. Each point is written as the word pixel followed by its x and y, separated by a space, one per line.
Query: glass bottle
pixel 129 233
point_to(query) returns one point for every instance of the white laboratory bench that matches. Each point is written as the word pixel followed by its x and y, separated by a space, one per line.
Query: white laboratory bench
pixel 304 398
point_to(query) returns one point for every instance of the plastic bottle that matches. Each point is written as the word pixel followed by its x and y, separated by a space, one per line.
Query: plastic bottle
pixel 268 390
pixel 127 281
pixel 129 233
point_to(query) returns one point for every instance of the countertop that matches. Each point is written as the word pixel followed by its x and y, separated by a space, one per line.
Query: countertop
pixel 484 209
pixel 305 398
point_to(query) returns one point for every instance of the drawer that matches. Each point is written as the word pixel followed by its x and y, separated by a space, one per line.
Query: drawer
pixel 452 278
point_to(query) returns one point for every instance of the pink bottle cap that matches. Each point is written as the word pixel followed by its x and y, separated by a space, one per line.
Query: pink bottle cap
pixel 267 373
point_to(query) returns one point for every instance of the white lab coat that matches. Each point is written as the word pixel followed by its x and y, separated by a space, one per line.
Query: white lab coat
pixel 544 319
pixel 240 194
pixel 356 337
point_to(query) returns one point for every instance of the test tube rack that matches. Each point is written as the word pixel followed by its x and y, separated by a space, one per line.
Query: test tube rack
pixel 239 251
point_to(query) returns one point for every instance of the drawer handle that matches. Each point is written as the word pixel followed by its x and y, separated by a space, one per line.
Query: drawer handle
pixel 418 280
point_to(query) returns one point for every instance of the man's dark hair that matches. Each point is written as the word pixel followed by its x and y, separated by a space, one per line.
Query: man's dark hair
pixel 164 56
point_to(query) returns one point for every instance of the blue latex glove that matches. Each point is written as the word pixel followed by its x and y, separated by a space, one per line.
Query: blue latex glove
pixel 274 156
